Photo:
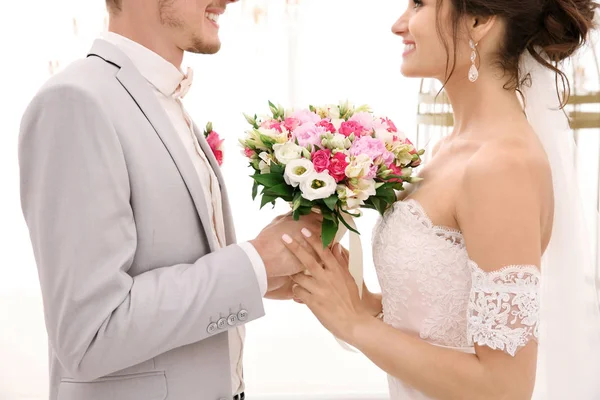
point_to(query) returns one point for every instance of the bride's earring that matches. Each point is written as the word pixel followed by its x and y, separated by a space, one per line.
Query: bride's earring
pixel 473 72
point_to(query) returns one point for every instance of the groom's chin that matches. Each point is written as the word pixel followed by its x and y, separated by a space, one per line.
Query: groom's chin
pixel 202 47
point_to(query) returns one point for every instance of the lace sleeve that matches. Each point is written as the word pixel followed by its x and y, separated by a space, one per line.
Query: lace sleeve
pixel 504 307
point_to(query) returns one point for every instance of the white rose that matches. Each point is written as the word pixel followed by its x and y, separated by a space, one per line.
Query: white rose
pixel 359 166
pixel 287 152
pixel 297 171
pixel 318 185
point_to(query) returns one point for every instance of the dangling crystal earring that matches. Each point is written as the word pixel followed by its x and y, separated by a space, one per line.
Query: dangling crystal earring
pixel 473 72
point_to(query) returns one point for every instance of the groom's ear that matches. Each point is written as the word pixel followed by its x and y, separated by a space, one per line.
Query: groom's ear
pixel 480 26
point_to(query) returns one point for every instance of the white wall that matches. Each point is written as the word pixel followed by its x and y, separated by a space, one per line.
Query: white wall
pixel 345 50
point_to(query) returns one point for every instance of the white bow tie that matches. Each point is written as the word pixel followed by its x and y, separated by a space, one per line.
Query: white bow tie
pixel 184 85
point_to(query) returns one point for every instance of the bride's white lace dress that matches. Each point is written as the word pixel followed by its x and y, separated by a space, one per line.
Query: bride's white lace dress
pixel 431 289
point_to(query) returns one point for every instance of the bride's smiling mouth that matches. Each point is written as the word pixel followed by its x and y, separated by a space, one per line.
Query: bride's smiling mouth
pixel 409 47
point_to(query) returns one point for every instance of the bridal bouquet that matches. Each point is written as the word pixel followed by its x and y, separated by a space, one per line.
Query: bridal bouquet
pixel 334 158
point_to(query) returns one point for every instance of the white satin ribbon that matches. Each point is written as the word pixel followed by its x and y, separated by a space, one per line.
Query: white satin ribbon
pixel 355 262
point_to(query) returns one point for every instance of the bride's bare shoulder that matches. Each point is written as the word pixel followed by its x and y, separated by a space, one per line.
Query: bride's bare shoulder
pixel 509 163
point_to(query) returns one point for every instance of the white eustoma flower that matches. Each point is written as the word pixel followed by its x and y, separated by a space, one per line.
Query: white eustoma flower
pixel 287 152
pixel 297 171
pixel 318 185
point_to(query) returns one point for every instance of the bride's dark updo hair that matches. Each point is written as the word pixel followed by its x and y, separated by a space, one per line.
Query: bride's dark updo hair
pixel 557 27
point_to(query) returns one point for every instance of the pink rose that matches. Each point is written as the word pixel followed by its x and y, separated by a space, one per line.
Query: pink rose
pixel 327 125
pixel 248 152
pixel 372 147
pixel 337 166
pixel 305 116
pixel 320 159
pixel 291 123
pixel 364 119
pixel 272 124
pixel 309 134
pixel 349 127
pixel 215 142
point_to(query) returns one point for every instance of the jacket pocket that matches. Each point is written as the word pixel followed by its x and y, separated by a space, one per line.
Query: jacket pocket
pixel 147 386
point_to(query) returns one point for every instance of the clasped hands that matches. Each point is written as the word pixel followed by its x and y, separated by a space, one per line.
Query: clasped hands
pixel 290 248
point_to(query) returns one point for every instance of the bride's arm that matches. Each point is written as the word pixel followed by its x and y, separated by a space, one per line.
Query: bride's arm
pixel 504 200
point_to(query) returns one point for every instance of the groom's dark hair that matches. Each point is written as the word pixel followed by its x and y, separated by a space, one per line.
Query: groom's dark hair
pixel 113 6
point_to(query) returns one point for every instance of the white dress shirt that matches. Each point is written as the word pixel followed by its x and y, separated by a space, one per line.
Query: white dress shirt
pixel 164 79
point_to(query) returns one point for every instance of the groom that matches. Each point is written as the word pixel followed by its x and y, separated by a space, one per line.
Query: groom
pixel 145 291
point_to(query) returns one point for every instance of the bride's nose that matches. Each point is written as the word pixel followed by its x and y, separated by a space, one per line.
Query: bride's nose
pixel 400 27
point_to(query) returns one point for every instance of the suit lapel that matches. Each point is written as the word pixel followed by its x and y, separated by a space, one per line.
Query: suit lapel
pixel 139 89
pixel 227 218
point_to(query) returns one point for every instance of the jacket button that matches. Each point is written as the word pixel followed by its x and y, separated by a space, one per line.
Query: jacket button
pixel 242 315
pixel 232 319
pixel 212 328
pixel 221 323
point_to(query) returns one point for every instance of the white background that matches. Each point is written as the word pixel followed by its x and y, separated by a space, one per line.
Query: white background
pixel 343 49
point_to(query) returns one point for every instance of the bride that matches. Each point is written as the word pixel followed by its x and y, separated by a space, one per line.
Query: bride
pixel 486 290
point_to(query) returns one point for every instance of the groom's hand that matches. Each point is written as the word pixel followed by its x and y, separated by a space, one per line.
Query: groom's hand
pixel 279 262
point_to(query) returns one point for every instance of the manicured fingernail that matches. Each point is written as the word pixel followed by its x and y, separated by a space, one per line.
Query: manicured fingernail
pixel 287 238
pixel 306 232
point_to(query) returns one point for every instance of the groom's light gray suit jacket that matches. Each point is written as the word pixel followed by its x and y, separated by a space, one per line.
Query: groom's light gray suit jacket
pixel 137 296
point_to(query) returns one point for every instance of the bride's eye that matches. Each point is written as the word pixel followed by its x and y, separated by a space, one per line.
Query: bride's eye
pixel 417 3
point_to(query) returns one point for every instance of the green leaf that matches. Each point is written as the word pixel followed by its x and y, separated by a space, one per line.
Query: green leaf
pixel 340 217
pixel 254 190
pixel 331 201
pixel 328 230
pixel 380 205
pixel 277 168
pixel 387 195
pixel 267 199
pixel 267 141
pixel 269 180
pixel 306 202
pixel 305 210
pixel 297 201
pixel 283 189
pixel 328 215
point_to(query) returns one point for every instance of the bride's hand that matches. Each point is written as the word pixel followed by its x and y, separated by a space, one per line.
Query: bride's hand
pixel 372 301
pixel 330 291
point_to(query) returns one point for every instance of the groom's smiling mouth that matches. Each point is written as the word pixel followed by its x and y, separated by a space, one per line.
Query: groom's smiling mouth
pixel 213 16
